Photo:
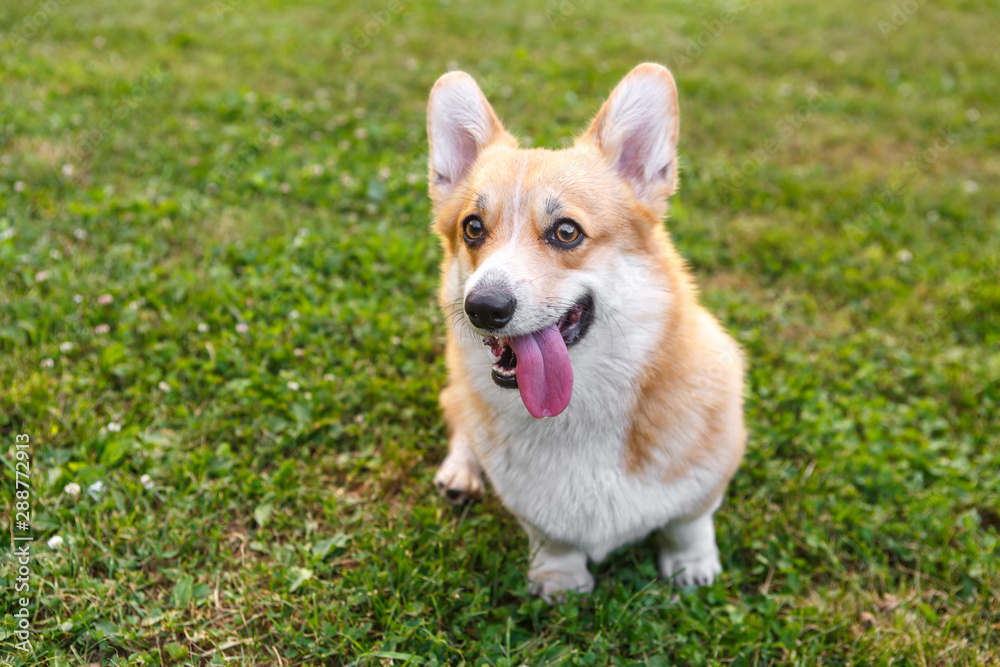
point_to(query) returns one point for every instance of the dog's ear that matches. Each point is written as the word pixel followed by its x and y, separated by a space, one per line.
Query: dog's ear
pixel 460 124
pixel 636 130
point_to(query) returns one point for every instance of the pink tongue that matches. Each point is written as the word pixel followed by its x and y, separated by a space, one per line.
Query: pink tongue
pixel 544 374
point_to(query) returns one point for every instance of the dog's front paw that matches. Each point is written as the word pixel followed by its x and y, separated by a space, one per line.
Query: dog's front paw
pixel 459 479
pixel 552 585
pixel 687 571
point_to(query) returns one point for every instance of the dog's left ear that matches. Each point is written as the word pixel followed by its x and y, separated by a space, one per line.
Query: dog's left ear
pixel 637 129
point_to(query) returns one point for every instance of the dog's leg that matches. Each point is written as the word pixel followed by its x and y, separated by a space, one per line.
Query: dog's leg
pixel 688 553
pixel 459 478
pixel 556 567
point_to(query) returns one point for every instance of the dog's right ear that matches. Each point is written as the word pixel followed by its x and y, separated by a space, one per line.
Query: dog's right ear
pixel 460 124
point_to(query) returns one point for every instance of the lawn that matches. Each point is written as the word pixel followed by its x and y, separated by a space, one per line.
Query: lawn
pixel 218 330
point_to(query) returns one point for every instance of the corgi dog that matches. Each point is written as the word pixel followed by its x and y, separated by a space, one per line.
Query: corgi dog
pixel 603 402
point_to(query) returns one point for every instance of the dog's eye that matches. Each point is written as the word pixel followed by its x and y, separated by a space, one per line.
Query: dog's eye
pixel 565 234
pixel 473 229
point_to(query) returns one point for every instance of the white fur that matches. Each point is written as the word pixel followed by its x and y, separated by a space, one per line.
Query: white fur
pixel 688 553
pixel 459 476
pixel 537 465
pixel 556 567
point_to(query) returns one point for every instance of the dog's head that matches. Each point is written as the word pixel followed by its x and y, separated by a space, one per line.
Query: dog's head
pixel 538 238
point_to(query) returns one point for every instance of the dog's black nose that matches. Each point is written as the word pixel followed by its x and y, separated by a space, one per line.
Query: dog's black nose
pixel 490 308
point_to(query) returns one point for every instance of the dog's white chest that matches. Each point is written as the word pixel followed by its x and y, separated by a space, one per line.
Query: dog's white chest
pixel 566 475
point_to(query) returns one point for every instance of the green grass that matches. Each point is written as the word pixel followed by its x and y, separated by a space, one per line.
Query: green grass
pixel 229 165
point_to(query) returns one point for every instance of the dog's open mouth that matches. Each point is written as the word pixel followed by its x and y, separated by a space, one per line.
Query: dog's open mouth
pixel 547 378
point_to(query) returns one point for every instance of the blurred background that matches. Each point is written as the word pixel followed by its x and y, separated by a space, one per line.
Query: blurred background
pixel 218 326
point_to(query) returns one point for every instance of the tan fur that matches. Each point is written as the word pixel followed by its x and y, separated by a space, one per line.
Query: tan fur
pixel 464 410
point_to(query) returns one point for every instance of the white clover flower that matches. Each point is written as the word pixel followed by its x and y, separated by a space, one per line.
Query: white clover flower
pixel 904 256
pixel 147 482
pixel 294 315
pixel 114 427
pixel 80 234
pixel 55 253
pixel 242 328
pixel 72 490
pixel 299 352
pixel 329 377
pixel 48 362
pixel 96 489
pixel 102 329
pixel 65 347
pixel 285 188
pixel 41 276
pixel 68 169
pixel 55 542
pixel 971 186
pixel 18 186
pixel 77 298
pixel 293 385
pixel 105 299
pixel 164 386
pixel 202 327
